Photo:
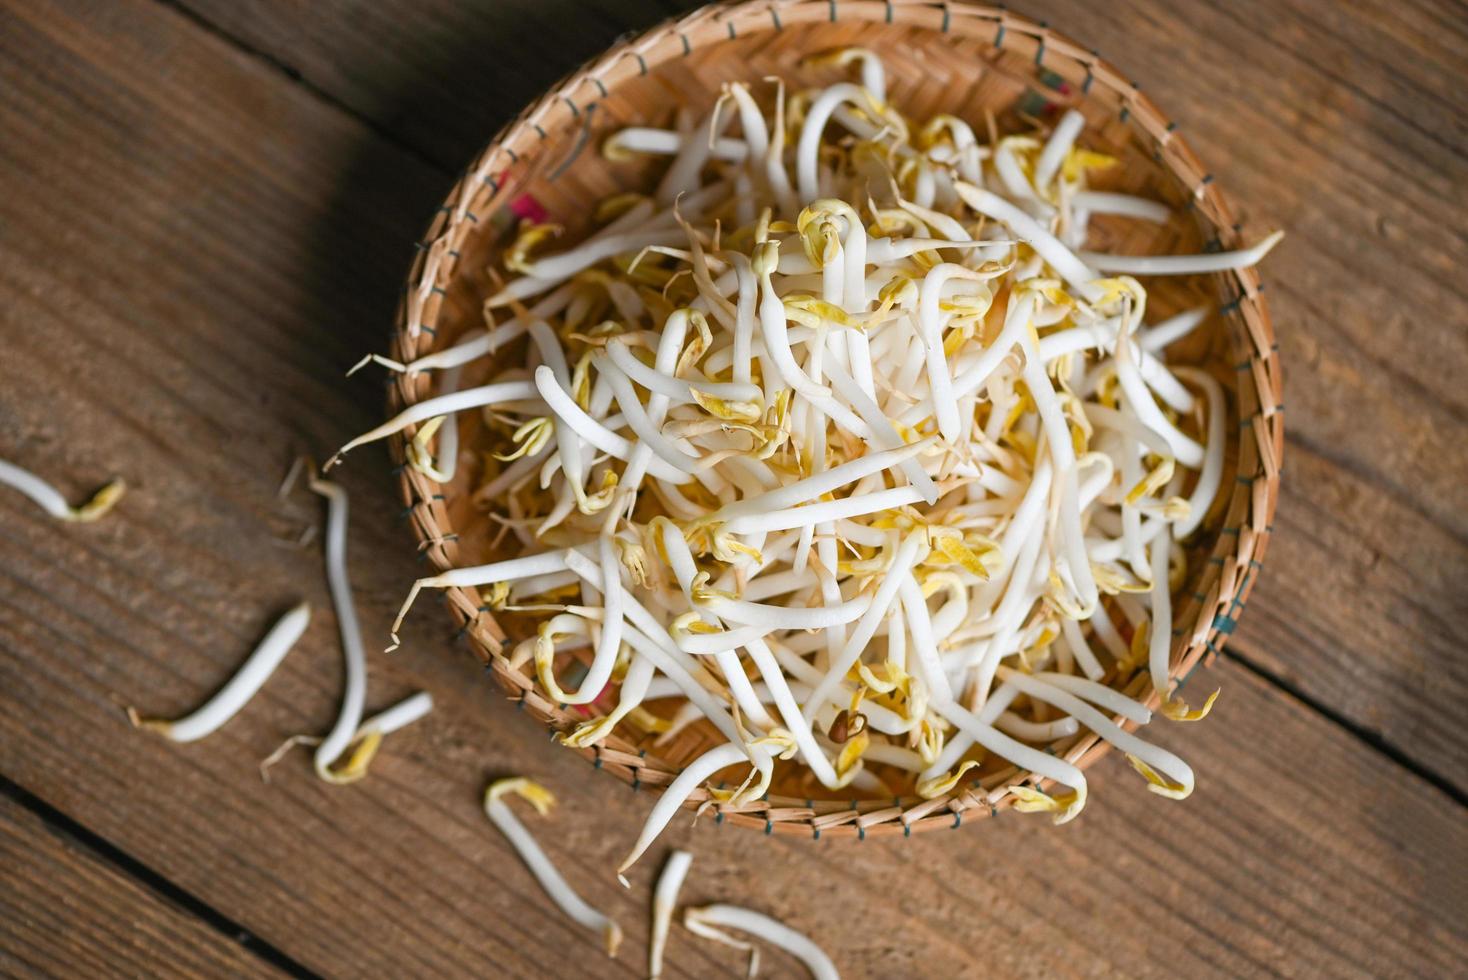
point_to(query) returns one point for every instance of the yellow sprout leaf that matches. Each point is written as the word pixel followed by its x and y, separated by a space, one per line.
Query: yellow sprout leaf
pixel 517 256
pixel 499 594
pixel 102 501
pixel 979 561
pixel 530 438
pixel 1111 581
pixel 851 753
pixel 647 721
pixel 634 558
pixel 352 764
pixel 596 502
pixel 1064 805
pixel 588 733
pixel 944 783
pixel 1138 652
pixel 730 411
pixel 532 792
pixel 1178 710
pixel 1155 480
pixel 702 337
pixel 1159 783
pixel 1078 161
pixel 613 207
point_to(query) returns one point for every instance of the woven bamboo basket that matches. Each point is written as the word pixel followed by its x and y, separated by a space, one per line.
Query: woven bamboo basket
pixel 940 57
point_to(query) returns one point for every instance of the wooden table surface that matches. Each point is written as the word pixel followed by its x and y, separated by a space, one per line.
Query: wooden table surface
pixel 206 210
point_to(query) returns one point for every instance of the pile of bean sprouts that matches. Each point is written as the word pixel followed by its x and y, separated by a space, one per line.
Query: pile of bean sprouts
pixel 843 438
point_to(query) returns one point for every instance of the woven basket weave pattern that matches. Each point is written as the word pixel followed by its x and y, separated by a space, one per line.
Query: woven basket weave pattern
pixel 960 59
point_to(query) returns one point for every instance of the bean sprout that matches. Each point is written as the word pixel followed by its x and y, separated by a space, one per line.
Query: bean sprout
pixel 536 859
pixel 239 689
pixel 51 500
pixel 704 920
pixel 664 902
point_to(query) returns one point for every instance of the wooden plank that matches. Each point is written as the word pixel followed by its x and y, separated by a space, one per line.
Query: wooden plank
pixel 440 74
pixel 65 913
pixel 193 248
pixel 1361 165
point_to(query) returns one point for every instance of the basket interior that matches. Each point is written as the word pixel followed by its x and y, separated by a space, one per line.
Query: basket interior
pixel 558 171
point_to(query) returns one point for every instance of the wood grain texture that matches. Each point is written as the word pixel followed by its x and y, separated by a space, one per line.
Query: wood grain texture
pixel 1336 122
pixel 192 248
pixel 64 913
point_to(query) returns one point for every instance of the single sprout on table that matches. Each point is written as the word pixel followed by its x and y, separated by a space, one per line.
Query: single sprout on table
pixel 536 859
pixel 664 903
pixel 51 500
pixel 843 437
pixel 705 921
pixel 239 689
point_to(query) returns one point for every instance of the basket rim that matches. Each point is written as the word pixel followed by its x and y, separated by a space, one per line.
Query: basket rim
pixel 1247 522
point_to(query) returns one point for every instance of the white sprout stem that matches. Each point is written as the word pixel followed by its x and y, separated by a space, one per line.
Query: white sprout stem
pixel 1042 764
pixel 1182 265
pixel 1159 647
pixel 354 657
pixel 1075 640
pixel 490 339
pixel 1209 477
pixel 790 712
pixel 1036 731
pixel 1098 694
pixel 1129 375
pixel 239 689
pixel 682 174
pixel 1057 147
pixel 772 931
pixel 684 569
pixel 1072 268
pixel 539 863
pixel 679 790
pixel 772 617
pixel 510 570
pixel 923 642
pixel 610 641
pixel 1157 758
pixel 661 381
pixel 1171 330
pixel 816 117
pixel 664 902
pixel 810 515
pixel 1101 337
pixel 667 142
pixel 588 428
pixel 51 500
pixel 801 491
pixel 1125 205
pixel 492 394
pixel 642 425
pixel 940 381
pixel 883 434
pixel 646 636
pixel 399 716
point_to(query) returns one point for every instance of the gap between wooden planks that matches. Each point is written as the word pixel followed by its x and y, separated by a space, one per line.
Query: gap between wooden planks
pixel 184 277
pixel 64 912
pixel 1361 605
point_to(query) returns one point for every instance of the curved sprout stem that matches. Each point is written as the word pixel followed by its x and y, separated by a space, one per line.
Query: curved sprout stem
pixel 239 689
pixel 529 850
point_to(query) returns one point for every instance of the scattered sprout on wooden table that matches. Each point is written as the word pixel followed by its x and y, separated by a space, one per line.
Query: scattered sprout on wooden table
pixel 664 903
pixel 239 689
pixel 51 500
pixel 536 859
pixel 705 921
